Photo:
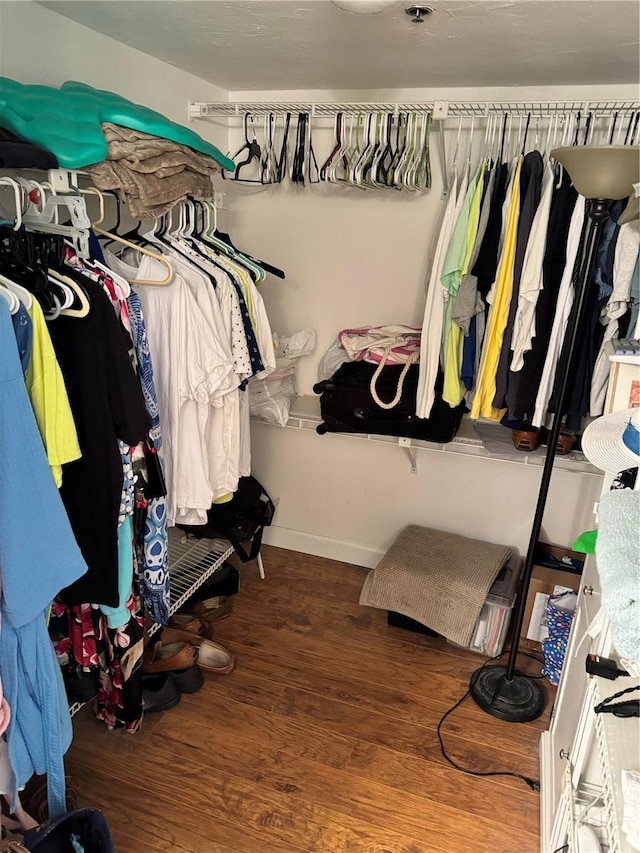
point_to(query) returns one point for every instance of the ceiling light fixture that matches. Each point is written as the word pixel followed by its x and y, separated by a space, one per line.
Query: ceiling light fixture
pixel 364 7
pixel 418 13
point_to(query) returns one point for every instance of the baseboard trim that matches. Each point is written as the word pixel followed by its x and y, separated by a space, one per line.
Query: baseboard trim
pixel 321 546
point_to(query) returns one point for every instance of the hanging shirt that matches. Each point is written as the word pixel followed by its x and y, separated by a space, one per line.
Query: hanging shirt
pixel 486 264
pixel 433 322
pixel 530 190
pixel 634 319
pixel 561 318
pixel 107 404
pixel 23 330
pixel 498 315
pixel 450 275
pixel 626 256
pixel 38 555
pixel 531 281
pixel 48 395
pixel 454 270
pixel 221 437
pixel 467 303
pixel 524 384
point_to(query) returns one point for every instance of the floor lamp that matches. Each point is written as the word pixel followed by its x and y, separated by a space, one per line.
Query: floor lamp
pixel 602 174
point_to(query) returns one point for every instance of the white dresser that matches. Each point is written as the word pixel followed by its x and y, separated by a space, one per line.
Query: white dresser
pixel 583 753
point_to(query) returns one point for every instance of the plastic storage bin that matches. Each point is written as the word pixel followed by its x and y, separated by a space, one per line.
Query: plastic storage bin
pixel 493 623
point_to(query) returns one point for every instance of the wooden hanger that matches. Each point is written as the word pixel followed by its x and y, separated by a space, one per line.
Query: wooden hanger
pixel 121 240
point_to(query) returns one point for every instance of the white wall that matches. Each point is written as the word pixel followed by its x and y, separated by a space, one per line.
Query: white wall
pixel 357 257
pixel 40 46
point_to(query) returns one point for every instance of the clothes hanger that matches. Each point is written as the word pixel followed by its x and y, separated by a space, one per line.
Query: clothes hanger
pixel 17 197
pixel 526 133
pixel 253 149
pixel 116 238
pixel 64 293
pixel 12 300
pixel 339 123
pixel 82 305
pixel 24 257
pixel 378 172
pixel 21 292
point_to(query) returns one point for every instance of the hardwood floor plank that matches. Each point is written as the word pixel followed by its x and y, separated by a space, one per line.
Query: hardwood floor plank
pixel 156 819
pixel 279 816
pixel 329 715
pixel 371 800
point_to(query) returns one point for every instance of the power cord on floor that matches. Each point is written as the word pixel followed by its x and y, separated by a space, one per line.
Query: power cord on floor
pixel 532 783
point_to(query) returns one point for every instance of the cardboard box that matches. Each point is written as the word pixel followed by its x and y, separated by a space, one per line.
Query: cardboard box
pixel 554 566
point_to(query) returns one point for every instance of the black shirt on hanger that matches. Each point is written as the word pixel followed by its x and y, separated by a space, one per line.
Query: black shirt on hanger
pixel 486 264
pixel 107 404
pixel 523 385
pixel 530 190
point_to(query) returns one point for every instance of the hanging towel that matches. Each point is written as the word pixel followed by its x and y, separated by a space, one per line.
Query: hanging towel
pixel 618 559
pixel 439 579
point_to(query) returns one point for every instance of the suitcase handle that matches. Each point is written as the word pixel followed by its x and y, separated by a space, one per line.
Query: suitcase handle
pixel 374 379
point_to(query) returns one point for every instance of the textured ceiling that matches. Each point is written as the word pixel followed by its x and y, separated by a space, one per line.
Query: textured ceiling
pixel 263 45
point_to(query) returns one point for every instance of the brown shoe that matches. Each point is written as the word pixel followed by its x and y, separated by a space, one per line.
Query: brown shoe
pixel 191 624
pixel 210 609
pixel 212 657
pixel 166 656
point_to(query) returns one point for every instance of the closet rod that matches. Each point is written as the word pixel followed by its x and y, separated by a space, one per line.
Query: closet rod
pixel 440 109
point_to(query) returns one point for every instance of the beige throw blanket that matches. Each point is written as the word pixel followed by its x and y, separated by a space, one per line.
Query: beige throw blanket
pixel 437 578
pixel 153 173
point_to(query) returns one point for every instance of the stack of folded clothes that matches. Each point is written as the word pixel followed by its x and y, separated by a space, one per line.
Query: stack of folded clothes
pixel 153 173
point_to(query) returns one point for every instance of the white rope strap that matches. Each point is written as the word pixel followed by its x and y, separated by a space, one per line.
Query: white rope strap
pixel 372 385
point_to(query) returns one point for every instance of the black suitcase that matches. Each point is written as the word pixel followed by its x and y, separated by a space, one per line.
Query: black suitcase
pixel 346 405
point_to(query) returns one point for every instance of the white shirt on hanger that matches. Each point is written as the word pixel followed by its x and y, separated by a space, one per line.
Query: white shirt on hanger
pixel 186 371
pixel 563 310
pixel 531 282
pixel 221 416
pixel 434 310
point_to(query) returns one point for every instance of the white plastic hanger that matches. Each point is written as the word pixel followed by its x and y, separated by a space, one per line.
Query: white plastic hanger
pixel 17 197
pixel 12 300
pixel 21 292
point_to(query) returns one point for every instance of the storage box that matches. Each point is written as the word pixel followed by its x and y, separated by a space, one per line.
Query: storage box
pixel 554 566
pixel 493 623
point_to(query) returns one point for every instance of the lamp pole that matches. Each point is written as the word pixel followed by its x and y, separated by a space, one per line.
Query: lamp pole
pixel 502 691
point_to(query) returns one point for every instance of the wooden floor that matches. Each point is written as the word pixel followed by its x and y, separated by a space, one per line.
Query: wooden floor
pixel 323 739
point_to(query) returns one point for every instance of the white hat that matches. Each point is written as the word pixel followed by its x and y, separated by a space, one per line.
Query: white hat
pixel 612 442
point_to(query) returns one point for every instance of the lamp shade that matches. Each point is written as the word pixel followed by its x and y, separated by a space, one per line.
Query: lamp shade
pixel 601 171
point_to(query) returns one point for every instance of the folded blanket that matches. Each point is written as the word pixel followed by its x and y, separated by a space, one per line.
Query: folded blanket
pixel 153 173
pixel 439 579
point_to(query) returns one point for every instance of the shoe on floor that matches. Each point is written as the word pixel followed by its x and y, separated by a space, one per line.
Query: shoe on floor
pixel 159 692
pixel 211 656
pixel 193 624
pixel 179 658
pixel 208 610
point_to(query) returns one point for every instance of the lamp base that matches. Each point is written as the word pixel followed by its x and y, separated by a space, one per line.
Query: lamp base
pixel 517 701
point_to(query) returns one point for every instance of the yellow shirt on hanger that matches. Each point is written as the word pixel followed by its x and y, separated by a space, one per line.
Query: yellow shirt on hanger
pixel 482 406
pixel 48 395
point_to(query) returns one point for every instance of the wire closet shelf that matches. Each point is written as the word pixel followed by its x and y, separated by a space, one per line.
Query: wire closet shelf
pixel 191 564
pixel 438 109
